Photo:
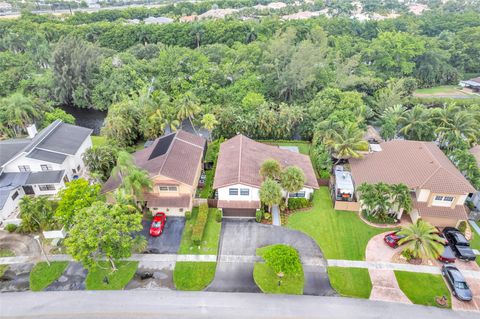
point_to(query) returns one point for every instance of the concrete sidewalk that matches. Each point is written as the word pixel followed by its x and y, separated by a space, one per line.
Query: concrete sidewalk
pixel 276 220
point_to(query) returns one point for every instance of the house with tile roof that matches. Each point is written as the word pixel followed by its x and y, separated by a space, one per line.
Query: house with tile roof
pixel 40 164
pixel 174 164
pixel 237 176
pixel 438 188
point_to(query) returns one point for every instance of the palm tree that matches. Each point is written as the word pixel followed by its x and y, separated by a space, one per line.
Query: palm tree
pixel 393 115
pixel 347 142
pixel 270 193
pixel 136 183
pixel 17 111
pixel 292 180
pixel 124 165
pixel 422 240
pixel 270 169
pixel 188 106
pixel 416 124
pixel 401 198
pixel 209 122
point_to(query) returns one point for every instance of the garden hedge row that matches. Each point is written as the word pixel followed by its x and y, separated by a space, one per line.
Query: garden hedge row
pixel 298 203
pixel 199 226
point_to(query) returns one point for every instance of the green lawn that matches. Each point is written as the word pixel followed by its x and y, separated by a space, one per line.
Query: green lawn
pixel 475 242
pixel 340 234
pixel 210 239
pixel 267 281
pixel 3 269
pixel 438 89
pixel 207 190
pixel 421 288
pixel 117 280
pixel 350 282
pixel 43 275
pixel 303 147
pixel 5 252
pixel 99 140
pixel 193 275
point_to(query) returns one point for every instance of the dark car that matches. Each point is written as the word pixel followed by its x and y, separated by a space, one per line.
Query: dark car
pixel 459 244
pixel 457 283
pixel 447 255
pixel 392 239
pixel 158 223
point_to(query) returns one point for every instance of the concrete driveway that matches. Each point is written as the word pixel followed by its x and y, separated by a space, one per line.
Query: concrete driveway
pixel 169 241
pixel 237 255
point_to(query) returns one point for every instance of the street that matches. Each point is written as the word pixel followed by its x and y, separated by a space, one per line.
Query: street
pixel 176 304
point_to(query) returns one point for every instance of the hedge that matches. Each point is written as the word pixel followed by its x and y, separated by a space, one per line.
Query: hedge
pixel 199 227
pixel 298 203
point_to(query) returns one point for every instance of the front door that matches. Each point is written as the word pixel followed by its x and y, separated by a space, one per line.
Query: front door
pixel 28 190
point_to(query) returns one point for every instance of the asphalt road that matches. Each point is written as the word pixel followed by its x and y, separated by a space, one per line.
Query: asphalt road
pixel 176 304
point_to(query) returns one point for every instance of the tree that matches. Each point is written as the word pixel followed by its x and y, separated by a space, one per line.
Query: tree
pixel 100 160
pixel 16 112
pixel 417 124
pixel 321 160
pixel 270 193
pixel 347 142
pixel 57 114
pixel 160 114
pixel 282 259
pixel 209 122
pixel 292 180
pixel 390 121
pixel 37 214
pixel 393 94
pixel 121 125
pixel 270 169
pixel 124 165
pixel 103 231
pixel 188 106
pixel 422 240
pixel 77 195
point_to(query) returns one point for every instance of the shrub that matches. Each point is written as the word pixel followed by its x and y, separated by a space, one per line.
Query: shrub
pixel 267 216
pixel 462 226
pixel 298 203
pixel 219 216
pixel 188 215
pixel 324 174
pixel 407 254
pixel 11 228
pixel 281 258
pixel 199 227
pixel 258 215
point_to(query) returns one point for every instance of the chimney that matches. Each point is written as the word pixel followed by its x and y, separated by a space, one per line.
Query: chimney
pixel 32 130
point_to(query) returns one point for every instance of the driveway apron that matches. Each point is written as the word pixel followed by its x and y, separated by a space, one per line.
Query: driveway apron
pixel 16 278
pixel 72 279
pixel 241 238
pixel 169 241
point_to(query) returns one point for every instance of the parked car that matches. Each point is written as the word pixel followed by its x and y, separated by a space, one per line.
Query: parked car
pixel 447 256
pixel 158 223
pixel 457 283
pixel 459 244
pixel 392 239
pixel 202 179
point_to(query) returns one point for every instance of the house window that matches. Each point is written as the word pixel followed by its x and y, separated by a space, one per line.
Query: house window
pixel 167 188
pixel 244 191
pixel 438 197
pixel 15 195
pixel 48 187
pixel 24 168
pixel 297 195
pixel 233 191
pixel 172 188
pixel 65 179
pixel 46 167
pixel 78 168
pixel 448 198
pixel 180 210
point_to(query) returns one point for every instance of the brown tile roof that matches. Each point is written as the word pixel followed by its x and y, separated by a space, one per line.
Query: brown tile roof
pixel 238 204
pixel 458 212
pixel 476 152
pixel 170 201
pixel 416 164
pixel 176 156
pixel 240 158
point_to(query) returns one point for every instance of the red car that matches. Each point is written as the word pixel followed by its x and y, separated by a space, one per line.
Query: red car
pixel 158 223
pixel 392 239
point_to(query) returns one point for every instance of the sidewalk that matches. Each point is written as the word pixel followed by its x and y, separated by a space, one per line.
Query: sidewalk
pixel 276 221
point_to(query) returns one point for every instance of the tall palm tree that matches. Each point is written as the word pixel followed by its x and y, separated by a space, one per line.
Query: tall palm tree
pixel 270 193
pixel 401 198
pixel 188 106
pixel 209 122
pixel 347 143
pixel 422 240
pixel 270 169
pixel 124 165
pixel 136 183
pixel 416 125
pixel 292 180
pixel 17 111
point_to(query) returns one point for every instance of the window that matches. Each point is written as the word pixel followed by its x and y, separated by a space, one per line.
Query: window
pixel 167 188
pixel 78 168
pixel 24 168
pixel 244 191
pixel 46 167
pixel 233 191
pixel 438 197
pixel 163 188
pixel 448 198
pixel 180 210
pixel 15 195
pixel 172 188
pixel 295 195
pixel 48 187
pixel 65 179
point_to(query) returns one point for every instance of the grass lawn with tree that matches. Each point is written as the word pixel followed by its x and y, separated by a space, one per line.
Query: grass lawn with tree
pixel 211 235
pixel 117 280
pixel 422 289
pixel 350 282
pixel 98 140
pixel 193 275
pixel 340 234
pixel 43 275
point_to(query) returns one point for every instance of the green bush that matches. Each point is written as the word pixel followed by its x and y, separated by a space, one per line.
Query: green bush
pixel 258 215
pixel 267 216
pixel 462 226
pixel 219 216
pixel 324 174
pixel 298 203
pixel 199 227
pixel 188 215
pixel 281 258
pixel 11 228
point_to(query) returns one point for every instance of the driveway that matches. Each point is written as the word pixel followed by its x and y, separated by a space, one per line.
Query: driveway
pixel 16 278
pixel 237 255
pixel 72 279
pixel 169 241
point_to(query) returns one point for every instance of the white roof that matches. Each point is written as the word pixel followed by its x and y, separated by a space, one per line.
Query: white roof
pixel 343 181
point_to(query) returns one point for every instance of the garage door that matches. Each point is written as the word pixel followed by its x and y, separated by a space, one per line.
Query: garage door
pixel 239 212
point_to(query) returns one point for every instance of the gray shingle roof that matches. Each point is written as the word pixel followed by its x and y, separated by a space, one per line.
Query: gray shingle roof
pixel 65 138
pixel 46 177
pixel 47 156
pixel 8 182
pixel 10 148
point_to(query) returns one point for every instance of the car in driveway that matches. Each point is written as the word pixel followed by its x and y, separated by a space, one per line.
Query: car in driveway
pixel 392 239
pixel 158 223
pixel 459 244
pixel 457 283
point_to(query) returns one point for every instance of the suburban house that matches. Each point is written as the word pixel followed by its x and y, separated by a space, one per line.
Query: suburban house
pixel 237 179
pixel 476 197
pixel 174 163
pixel 41 163
pixel 438 188
pixel 473 84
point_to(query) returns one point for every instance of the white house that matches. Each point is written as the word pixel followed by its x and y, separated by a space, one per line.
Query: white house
pixel 40 164
pixel 237 179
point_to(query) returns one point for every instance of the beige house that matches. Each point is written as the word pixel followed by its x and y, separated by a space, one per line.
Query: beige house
pixel 438 189
pixel 174 163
